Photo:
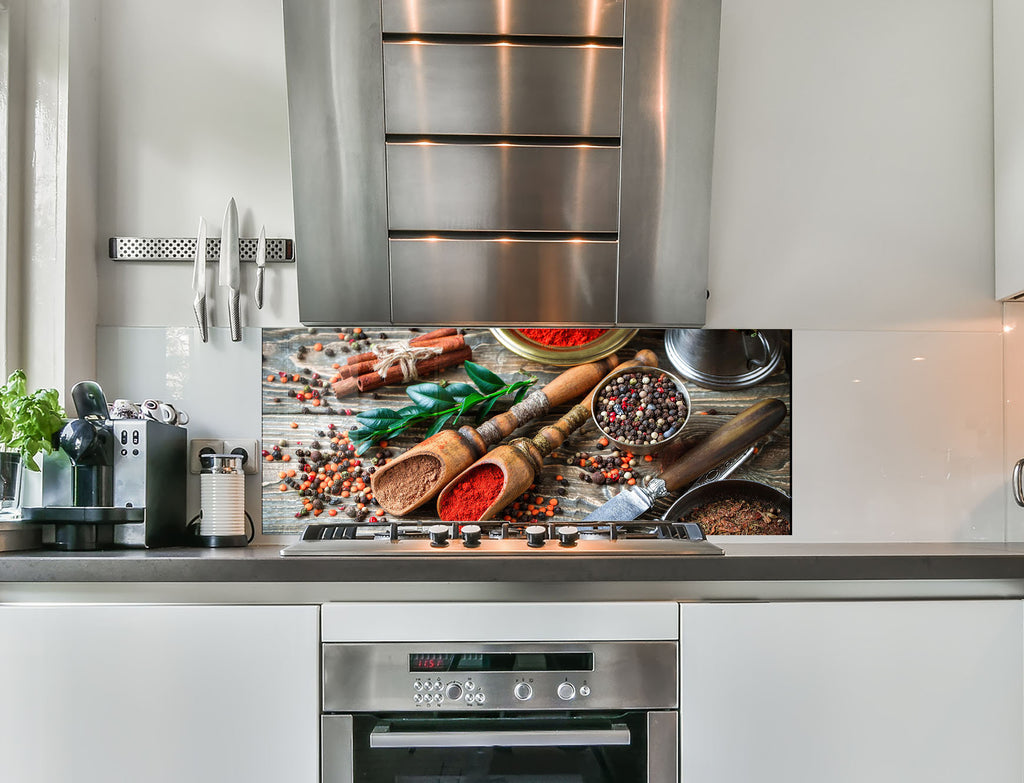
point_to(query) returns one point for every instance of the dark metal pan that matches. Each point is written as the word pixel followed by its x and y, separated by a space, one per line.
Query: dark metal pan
pixel 739 489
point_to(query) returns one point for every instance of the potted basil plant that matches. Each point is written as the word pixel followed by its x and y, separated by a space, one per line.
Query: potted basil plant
pixel 28 423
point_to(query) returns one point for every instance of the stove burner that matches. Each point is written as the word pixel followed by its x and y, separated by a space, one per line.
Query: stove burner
pixel 643 537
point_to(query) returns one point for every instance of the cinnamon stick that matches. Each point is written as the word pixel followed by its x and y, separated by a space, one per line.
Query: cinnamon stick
pixel 431 364
pixel 446 344
pixel 427 337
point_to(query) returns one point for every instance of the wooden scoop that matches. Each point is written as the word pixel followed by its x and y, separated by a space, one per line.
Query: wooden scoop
pixel 521 460
pixel 427 467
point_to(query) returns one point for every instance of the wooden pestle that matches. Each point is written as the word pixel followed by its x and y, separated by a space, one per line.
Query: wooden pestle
pixel 521 460
pixel 455 450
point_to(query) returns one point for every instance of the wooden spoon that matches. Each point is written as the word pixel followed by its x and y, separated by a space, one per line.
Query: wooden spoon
pixel 427 467
pixel 521 460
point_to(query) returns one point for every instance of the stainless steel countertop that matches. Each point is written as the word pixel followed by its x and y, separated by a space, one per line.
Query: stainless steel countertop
pixel 748 571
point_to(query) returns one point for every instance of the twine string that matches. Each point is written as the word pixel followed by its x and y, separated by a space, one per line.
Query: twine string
pixel 405 356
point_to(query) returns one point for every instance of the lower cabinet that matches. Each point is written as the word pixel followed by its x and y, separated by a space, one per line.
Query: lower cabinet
pixel 159 694
pixel 852 692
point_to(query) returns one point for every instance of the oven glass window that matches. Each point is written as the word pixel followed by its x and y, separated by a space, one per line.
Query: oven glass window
pixel 598 749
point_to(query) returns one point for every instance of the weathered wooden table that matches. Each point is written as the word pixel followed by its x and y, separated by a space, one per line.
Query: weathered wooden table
pixel 292 351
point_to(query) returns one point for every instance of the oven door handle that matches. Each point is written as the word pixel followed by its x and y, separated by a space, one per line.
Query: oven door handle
pixel 382 737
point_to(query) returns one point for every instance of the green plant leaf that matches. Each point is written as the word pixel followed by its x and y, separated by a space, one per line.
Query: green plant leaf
pixel 439 424
pixel 28 421
pixel 431 397
pixel 379 418
pixel 486 380
pixel 482 414
pixel 460 391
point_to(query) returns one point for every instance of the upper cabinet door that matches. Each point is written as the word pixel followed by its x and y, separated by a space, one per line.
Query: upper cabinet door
pixel 1008 111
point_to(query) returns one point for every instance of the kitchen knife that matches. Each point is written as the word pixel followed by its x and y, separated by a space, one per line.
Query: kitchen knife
pixel 740 432
pixel 261 262
pixel 199 282
pixel 229 275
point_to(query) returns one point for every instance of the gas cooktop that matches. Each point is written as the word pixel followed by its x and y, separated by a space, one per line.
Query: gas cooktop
pixel 501 538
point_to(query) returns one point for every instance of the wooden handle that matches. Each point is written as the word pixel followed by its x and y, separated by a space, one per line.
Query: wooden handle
pixel 578 380
pixel 743 430
pixel 643 358
pixel 554 435
pixel 566 386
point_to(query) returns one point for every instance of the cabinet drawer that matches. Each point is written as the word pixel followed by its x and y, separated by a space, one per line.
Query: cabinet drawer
pixel 502 187
pixel 502 89
pixel 503 281
pixel 602 18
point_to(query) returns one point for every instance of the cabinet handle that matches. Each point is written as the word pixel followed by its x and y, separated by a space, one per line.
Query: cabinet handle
pixel 1018 489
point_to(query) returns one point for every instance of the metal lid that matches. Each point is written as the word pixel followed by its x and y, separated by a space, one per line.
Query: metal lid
pixel 724 359
pixel 220 463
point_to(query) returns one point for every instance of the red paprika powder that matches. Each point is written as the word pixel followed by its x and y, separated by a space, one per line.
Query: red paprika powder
pixel 472 495
pixel 562 338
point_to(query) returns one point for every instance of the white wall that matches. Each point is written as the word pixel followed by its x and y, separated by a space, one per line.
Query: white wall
pixel 852 202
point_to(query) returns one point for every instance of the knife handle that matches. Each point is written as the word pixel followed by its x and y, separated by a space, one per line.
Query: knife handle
pixel 199 306
pixel 743 430
pixel 258 293
pixel 234 317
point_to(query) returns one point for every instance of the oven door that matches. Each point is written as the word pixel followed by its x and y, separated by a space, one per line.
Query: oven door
pixel 633 747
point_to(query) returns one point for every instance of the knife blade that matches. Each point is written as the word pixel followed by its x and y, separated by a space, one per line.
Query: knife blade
pixel 229 273
pixel 199 282
pixel 261 262
pixel 740 432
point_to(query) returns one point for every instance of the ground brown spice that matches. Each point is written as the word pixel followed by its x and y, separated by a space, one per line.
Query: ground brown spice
pixel 739 516
pixel 407 481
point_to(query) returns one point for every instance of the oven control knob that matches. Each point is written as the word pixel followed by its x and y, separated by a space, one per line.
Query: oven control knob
pixel 566 691
pixel 584 690
pixel 453 691
pixel 522 691
pixel 438 535
pixel 535 535
pixel 568 535
pixel 471 535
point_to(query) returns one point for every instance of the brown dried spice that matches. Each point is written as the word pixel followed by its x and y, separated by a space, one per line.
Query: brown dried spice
pixel 739 516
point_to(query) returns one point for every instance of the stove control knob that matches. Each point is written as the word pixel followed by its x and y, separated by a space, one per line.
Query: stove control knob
pixel 584 690
pixel 566 691
pixel 471 535
pixel 522 691
pixel 568 535
pixel 453 691
pixel 535 535
pixel 438 535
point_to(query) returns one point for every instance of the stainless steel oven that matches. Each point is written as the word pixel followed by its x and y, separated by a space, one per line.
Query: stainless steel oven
pixel 518 712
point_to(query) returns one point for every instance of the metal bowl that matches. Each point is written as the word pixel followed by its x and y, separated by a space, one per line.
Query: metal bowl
pixel 729 488
pixel 642 449
pixel 563 356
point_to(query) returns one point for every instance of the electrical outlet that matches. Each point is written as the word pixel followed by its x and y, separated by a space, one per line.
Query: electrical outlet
pixel 199 446
pixel 249 449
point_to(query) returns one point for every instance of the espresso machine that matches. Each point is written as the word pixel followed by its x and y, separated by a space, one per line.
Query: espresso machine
pixel 113 483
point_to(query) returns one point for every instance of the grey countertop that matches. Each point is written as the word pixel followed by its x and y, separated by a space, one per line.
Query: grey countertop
pixel 743 563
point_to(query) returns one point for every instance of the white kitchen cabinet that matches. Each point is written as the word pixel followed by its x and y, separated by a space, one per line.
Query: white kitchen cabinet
pixel 159 694
pixel 1008 134
pixel 852 692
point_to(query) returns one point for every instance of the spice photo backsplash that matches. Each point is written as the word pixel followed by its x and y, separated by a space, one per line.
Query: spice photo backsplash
pixel 344 408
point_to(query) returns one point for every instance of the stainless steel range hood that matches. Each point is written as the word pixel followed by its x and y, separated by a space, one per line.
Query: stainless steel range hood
pixel 502 161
